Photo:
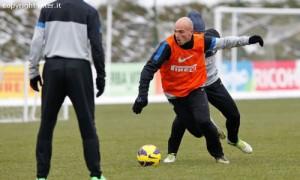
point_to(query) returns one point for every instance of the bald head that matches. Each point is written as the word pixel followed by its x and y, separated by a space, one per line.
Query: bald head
pixel 183 30
pixel 184 23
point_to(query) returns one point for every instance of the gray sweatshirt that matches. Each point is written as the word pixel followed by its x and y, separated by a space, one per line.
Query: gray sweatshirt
pixel 222 43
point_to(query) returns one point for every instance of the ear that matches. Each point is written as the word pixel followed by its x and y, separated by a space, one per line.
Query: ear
pixel 191 32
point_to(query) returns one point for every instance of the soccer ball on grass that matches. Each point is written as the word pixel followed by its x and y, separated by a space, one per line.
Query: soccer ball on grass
pixel 148 155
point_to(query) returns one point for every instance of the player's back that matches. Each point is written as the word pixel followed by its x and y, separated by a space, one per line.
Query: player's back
pixel 66 29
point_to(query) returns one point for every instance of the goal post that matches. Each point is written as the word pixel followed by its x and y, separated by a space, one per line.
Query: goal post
pixel 252 72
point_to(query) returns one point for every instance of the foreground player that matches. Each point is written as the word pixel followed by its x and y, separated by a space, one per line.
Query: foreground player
pixel 181 60
pixel 65 34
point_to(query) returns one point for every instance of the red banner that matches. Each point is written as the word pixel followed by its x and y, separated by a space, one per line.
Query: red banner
pixel 276 75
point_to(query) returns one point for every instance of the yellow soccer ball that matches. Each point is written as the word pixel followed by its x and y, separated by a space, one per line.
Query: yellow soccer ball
pixel 148 155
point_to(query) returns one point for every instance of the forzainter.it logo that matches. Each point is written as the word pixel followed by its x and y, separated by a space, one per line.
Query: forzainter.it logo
pixel 181 60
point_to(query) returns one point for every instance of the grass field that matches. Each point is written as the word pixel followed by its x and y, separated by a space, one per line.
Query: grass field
pixel 272 127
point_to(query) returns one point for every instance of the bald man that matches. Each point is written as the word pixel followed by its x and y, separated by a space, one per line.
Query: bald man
pixel 181 61
pixel 217 96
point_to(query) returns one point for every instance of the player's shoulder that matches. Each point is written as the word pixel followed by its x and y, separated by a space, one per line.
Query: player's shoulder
pixel 89 7
pixel 163 45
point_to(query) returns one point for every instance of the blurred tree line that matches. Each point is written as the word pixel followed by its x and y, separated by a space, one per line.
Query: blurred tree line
pixel 136 30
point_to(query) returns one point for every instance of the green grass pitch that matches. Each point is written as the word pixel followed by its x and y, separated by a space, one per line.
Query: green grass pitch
pixel 272 127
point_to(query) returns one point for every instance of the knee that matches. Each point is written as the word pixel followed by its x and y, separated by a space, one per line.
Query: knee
pixel 207 126
pixel 88 132
pixel 88 136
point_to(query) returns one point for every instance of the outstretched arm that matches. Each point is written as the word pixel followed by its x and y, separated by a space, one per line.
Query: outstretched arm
pixel 232 41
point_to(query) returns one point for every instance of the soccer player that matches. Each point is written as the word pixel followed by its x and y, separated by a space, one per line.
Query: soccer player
pixel 64 33
pixel 217 95
pixel 181 60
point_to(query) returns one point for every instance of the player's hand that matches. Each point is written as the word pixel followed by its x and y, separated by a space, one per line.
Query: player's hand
pixel 256 39
pixel 139 104
pixel 35 81
pixel 100 83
